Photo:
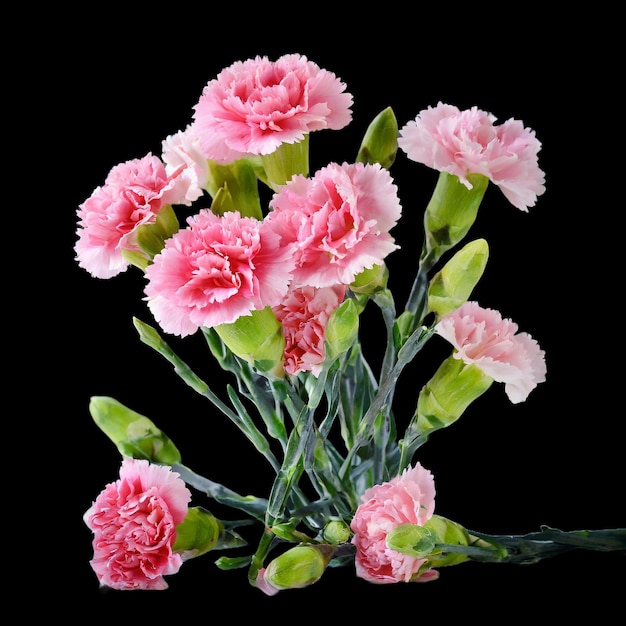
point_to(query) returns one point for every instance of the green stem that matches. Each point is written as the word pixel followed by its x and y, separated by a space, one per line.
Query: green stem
pixel 532 547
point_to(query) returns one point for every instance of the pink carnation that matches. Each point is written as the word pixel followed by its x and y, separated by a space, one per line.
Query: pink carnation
pixel 480 336
pixel 340 221
pixel 182 157
pixel 468 142
pixel 405 499
pixel 254 106
pixel 216 270
pixel 134 524
pixel 133 194
pixel 304 314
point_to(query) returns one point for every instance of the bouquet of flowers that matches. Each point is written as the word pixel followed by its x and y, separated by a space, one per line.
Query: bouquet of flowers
pixel 273 267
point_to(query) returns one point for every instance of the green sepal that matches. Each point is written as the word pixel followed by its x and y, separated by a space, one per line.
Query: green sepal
pixel 445 397
pixel 449 535
pixel 380 142
pixel 134 435
pixel 258 339
pixel 151 237
pixel 450 214
pixel 234 186
pixel 371 281
pixel 288 160
pixel 412 540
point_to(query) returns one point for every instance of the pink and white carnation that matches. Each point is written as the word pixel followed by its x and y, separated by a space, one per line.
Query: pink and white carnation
pixel 339 220
pixel 215 270
pixel 304 314
pixel 406 499
pixel 468 142
pixel 483 338
pixel 132 195
pixel 134 523
pixel 254 106
pixel 182 157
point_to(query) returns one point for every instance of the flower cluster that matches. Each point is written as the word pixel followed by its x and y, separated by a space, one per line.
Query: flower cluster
pixel 276 290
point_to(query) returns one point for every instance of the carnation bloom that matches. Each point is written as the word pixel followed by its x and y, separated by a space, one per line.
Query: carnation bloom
pixel 406 499
pixel 134 523
pixel 216 270
pixel 304 314
pixel 132 195
pixel 253 106
pixel 181 155
pixel 481 337
pixel 468 142
pixel 339 220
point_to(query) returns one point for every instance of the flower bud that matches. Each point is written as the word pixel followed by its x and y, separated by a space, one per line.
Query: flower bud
pixel 298 567
pixel 257 338
pixel 448 393
pixel 342 329
pixel 453 284
pixel 336 531
pixel 450 214
pixel 134 435
pixel 380 143
pixel 198 533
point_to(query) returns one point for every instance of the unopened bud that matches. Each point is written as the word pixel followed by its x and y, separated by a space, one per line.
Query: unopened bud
pixel 298 567
pixel 448 393
pixel 380 143
pixel 198 533
pixel 133 434
pixel 453 284
pixel 336 532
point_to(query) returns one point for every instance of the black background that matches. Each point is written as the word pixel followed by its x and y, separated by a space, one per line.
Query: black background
pixel 120 84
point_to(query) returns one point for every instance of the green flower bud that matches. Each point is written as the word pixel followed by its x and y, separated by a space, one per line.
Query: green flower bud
pixel 450 214
pixel 380 143
pixel 286 161
pixel 453 284
pixel 336 531
pixel 198 533
pixel 257 338
pixel 298 567
pixel 342 329
pixel 234 186
pixel 134 435
pixel 448 393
